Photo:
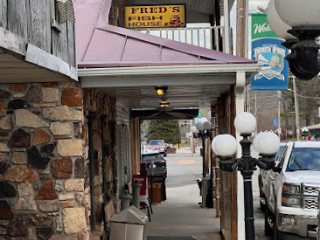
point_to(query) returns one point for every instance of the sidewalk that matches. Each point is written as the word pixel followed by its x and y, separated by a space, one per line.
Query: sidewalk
pixel 181 216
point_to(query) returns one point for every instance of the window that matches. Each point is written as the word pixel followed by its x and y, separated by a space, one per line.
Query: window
pixel 61 12
pixel 304 159
pixel 156 142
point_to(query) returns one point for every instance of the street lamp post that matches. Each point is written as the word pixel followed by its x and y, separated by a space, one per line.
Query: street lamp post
pixel 300 19
pixel 225 146
pixel 202 129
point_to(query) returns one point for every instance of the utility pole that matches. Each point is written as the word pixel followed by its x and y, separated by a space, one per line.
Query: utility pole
pixel 255 109
pixel 296 106
pixel 279 113
pixel 242 28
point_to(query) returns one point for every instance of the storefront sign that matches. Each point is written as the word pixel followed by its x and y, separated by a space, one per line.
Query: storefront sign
pixel 268 51
pixel 161 16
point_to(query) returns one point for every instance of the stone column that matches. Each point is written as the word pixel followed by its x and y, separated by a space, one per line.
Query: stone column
pixel 43 193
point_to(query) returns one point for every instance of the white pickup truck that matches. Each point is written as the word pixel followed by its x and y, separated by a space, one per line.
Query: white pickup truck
pixel 291 191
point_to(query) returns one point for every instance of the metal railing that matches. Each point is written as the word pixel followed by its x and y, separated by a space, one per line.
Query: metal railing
pixel 207 37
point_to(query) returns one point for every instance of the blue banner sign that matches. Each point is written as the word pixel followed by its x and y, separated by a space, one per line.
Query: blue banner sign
pixel 268 51
pixel 275 123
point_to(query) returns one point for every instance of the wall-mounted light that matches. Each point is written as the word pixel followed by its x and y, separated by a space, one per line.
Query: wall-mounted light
pixel 161 90
pixel 164 104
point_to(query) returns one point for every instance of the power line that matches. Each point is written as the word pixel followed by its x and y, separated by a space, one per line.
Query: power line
pixel 304 96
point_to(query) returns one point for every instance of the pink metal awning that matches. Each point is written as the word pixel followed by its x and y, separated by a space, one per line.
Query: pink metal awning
pixel 103 45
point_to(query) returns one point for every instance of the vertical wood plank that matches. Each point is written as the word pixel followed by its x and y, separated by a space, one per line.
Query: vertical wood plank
pixel 60 42
pixel 234 197
pixel 71 43
pixel 39 25
pixel 135 145
pixel 18 17
pixel 3 13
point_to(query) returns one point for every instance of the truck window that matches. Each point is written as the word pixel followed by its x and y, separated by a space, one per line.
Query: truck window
pixel 304 159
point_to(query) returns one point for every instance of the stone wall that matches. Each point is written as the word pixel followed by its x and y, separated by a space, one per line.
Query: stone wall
pixel 100 146
pixel 43 176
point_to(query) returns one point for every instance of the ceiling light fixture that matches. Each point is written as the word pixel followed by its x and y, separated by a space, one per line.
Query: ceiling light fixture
pixel 164 104
pixel 161 90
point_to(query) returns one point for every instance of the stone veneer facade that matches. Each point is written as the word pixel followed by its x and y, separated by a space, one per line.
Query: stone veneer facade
pixel 100 146
pixel 43 165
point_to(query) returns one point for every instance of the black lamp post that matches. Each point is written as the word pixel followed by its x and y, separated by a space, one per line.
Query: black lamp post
pixel 202 129
pixel 224 146
pixel 296 21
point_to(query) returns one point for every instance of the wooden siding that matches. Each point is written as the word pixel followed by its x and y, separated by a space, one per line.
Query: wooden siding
pixel 31 21
pixel 226 183
pixel 3 13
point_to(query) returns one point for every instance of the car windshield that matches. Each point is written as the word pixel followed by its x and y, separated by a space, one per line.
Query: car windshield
pixel 152 157
pixel 276 158
pixel 157 142
pixel 304 159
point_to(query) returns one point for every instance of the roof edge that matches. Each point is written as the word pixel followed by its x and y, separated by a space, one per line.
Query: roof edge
pixel 164 70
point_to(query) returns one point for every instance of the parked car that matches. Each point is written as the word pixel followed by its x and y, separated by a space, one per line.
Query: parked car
pixel 156 165
pixel 294 184
pixel 158 145
pixel 262 179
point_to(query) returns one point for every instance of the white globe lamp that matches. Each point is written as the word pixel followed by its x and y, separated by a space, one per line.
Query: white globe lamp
pixel 206 125
pixel 256 141
pixel 299 13
pixel 194 130
pixel 245 123
pixel 278 26
pixel 268 143
pixel 224 145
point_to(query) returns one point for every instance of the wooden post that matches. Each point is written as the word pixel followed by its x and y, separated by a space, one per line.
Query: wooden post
pixel 135 144
pixel 241 43
pixel 241 27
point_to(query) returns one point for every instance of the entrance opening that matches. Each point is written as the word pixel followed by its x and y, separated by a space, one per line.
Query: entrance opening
pixel 177 200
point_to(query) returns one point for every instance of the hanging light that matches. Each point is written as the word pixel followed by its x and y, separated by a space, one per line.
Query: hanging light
pixel 161 91
pixel 164 104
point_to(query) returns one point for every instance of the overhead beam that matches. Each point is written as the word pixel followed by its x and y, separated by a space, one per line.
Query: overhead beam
pixel 169 80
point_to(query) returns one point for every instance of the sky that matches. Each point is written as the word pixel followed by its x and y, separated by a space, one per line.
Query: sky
pixel 253 4
pixel 252 8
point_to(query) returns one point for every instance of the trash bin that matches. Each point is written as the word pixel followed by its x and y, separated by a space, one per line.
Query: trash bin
pixel 128 224
pixel 157 188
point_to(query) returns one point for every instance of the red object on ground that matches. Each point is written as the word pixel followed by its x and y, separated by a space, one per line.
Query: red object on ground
pixel 141 179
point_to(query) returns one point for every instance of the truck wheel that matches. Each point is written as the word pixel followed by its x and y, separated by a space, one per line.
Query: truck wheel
pixel 267 216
